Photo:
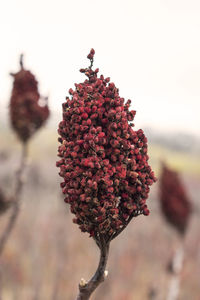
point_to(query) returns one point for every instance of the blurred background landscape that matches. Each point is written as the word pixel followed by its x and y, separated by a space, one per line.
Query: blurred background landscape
pixel 47 254
pixel 150 49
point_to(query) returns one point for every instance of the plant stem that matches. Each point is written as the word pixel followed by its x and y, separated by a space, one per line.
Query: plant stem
pixel 153 293
pixel 176 268
pixel 87 288
pixel 16 200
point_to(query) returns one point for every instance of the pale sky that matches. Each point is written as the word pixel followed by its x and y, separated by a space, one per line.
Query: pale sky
pixel 149 48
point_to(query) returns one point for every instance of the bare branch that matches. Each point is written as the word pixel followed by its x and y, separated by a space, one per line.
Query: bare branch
pixel 21 61
pixel 87 288
pixel 176 268
pixel 16 200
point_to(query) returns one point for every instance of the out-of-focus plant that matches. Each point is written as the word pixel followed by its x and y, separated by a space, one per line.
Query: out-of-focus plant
pixel 104 164
pixel 27 115
pixel 27 112
pixel 176 208
pixel 175 204
pixel 5 203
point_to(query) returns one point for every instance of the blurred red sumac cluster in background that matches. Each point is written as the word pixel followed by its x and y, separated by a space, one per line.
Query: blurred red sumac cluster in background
pixel 27 115
pixel 174 201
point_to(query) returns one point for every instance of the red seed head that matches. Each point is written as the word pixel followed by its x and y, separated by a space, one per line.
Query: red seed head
pixel 26 113
pixel 110 169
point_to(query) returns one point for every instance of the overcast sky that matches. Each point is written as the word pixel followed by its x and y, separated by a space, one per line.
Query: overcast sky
pixel 149 48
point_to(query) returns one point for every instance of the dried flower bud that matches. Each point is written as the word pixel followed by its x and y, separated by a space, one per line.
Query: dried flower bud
pixel 105 273
pixel 103 157
pixel 175 204
pixel 26 113
pixel 83 282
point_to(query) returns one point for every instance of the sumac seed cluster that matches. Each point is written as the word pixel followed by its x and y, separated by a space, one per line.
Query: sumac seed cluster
pixel 103 160
pixel 26 113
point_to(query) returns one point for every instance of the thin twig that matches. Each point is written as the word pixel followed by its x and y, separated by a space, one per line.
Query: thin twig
pixel 91 63
pixel 87 288
pixel 135 214
pixel 176 268
pixel 16 200
pixel 21 61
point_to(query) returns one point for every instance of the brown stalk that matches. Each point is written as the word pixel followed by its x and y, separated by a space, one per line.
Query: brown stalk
pixel 176 268
pixel 15 208
pixel 87 288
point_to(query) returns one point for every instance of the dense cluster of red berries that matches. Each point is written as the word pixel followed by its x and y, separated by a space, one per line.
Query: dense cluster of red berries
pixel 27 115
pixel 103 161
pixel 175 204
